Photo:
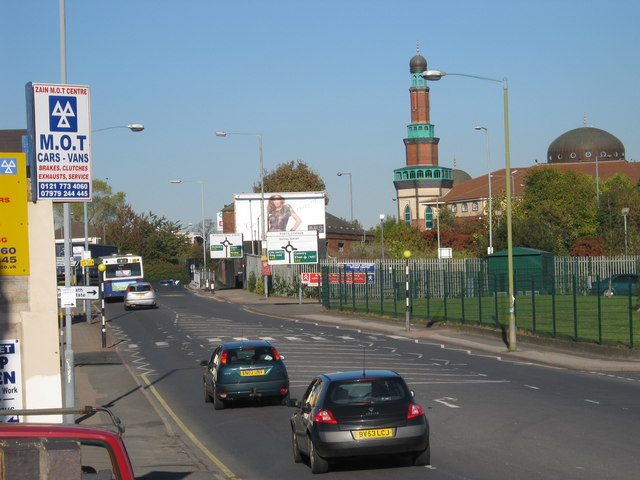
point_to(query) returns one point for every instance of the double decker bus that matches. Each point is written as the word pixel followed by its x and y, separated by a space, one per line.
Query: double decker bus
pixel 121 271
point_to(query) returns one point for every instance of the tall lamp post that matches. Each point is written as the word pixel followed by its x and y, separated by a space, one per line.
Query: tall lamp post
pixel 204 240
pixel 486 136
pixel 437 75
pixel 350 192
pixel 263 236
pixel 625 212
pixel 134 127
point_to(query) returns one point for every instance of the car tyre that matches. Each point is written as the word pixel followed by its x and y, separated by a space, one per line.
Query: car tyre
pixel 423 458
pixel 207 397
pixel 318 464
pixel 218 403
pixel 297 456
pixel 284 400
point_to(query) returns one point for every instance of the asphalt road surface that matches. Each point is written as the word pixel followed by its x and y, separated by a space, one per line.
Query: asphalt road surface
pixel 490 418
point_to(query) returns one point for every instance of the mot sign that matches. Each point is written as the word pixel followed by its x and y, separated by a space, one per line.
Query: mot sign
pixel 60 128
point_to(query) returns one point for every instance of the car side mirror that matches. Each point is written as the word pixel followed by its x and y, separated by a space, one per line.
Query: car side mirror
pixel 413 394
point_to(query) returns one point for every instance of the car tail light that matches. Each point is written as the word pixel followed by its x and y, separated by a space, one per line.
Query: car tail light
pixel 224 357
pixel 276 355
pixel 283 391
pixel 415 410
pixel 324 416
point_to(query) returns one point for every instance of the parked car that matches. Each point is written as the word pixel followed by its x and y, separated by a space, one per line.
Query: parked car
pixel 360 413
pixel 619 284
pixel 245 370
pixel 139 294
pixel 167 283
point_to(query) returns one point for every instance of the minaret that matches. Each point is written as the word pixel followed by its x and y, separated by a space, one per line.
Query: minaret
pixel 421 180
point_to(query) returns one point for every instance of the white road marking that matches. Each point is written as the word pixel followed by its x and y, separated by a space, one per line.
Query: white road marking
pixel 531 386
pixel 591 401
pixel 445 401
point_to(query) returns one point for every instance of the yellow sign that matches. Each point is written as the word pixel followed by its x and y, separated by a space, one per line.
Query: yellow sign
pixel 87 263
pixel 14 227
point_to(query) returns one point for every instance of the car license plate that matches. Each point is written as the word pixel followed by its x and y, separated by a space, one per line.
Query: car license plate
pixel 251 373
pixel 377 433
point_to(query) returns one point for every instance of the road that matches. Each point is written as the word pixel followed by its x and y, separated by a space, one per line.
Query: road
pixel 490 418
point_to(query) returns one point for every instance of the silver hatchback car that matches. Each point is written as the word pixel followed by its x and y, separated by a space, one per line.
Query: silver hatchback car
pixel 139 294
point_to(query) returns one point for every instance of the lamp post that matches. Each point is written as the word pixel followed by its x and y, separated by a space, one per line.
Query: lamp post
pixel 382 233
pixel 263 236
pixel 437 75
pixel 486 136
pixel 204 241
pixel 134 127
pixel 407 307
pixel 625 212
pixel 350 192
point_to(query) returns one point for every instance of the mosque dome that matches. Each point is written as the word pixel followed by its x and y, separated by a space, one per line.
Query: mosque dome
pixel 418 64
pixel 584 144
pixel 460 176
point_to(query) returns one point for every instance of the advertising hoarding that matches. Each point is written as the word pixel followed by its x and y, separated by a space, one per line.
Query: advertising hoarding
pixel 14 230
pixel 60 128
pixel 286 211
pixel 11 376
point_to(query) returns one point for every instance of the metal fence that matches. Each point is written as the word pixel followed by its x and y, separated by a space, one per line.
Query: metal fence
pixel 563 304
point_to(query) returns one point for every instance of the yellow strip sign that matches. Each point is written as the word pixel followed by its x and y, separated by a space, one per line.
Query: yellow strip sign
pixel 14 227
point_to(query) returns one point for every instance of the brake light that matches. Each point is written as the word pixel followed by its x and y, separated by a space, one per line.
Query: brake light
pixel 324 416
pixel 223 357
pixel 275 353
pixel 415 410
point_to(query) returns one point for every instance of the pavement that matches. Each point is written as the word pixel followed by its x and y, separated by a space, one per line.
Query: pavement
pixel 157 451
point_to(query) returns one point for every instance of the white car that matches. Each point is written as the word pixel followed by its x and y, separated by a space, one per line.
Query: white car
pixel 139 294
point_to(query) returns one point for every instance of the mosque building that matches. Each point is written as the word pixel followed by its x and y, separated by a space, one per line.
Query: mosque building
pixel 423 186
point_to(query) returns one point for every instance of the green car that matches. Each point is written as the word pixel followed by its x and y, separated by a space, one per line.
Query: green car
pixel 250 370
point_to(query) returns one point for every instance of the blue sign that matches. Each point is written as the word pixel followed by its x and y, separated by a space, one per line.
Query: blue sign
pixel 8 166
pixel 63 114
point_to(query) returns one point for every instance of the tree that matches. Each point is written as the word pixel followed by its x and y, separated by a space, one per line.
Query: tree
pixel 100 210
pixel 293 176
pixel 616 193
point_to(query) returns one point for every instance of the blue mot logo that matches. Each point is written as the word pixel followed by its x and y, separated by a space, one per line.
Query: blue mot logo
pixel 63 114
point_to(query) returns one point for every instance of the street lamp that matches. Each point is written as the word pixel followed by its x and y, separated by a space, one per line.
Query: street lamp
pixel 437 75
pixel 204 241
pixel 350 191
pixel 382 233
pixel 490 250
pixel 262 209
pixel 625 212
pixel 134 127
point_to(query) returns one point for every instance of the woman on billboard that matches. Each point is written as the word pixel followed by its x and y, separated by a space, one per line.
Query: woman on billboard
pixel 279 214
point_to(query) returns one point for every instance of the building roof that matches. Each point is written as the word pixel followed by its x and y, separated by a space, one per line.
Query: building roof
pixel 337 225
pixel 583 145
pixel 11 140
pixel 478 188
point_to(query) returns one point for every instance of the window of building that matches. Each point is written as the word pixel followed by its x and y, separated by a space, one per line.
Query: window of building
pixel 465 207
pixel 429 174
pixel 341 247
pixel 407 215
pixel 420 173
pixel 454 207
pixel 474 206
pixel 436 174
pixel 428 219
pixel 412 174
pixel 588 154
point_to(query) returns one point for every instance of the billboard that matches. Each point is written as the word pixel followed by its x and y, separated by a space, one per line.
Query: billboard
pixel 60 129
pixel 14 225
pixel 283 212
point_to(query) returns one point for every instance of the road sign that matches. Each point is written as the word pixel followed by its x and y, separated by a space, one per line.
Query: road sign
pixel 294 247
pixel 311 279
pixel 14 239
pixel 226 245
pixel 61 130
pixel 81 291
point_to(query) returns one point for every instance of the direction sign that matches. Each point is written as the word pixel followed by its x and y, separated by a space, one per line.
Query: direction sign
pixel 226 245
pixel 61 130
pixel 293 247
pixel 82 292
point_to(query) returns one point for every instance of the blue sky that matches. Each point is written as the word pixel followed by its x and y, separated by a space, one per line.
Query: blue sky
pixel 322 81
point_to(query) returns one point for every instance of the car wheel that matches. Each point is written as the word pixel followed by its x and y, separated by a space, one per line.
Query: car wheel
pixel 318 464
pixel 126 308
pixel 423 458
pixel 207 397
pixel 284 400
pixel 297 456
pixel 218 403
